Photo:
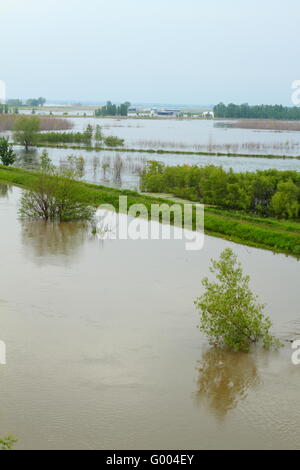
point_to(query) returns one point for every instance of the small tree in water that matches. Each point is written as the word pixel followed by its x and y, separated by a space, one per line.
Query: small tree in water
pixel 53 195
pixel 26 130
pixel 230 314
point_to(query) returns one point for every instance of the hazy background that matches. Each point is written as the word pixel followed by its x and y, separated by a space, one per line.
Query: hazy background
pixel 168 51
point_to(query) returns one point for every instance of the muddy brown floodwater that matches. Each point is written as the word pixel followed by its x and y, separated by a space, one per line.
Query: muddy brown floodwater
pixel 103 350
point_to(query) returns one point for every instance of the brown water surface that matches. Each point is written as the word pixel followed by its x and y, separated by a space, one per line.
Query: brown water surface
pixel 103 350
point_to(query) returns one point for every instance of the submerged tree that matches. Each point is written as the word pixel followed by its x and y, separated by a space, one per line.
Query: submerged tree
pixel 98 133
pixel 88 133
pixel 54 195
pixel 26 129
pixel 230 314
pixel 7 155
pixel 112 141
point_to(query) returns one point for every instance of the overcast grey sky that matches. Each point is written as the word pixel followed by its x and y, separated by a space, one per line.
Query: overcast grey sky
pixel 169 51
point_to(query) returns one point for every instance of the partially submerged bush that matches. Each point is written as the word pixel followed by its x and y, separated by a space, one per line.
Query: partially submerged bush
pixel 112 141
pixel 26 129
pixel 230 314
pixel 53 195
pixel 64 138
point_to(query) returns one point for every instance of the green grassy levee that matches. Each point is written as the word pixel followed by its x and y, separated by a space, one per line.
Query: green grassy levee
pixel 272 234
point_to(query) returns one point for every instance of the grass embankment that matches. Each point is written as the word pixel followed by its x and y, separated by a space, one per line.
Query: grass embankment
pixel 96 148
pixel 275 235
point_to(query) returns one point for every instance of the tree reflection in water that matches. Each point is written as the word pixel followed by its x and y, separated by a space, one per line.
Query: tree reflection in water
pixel 29 160
pixel 225 378
pixel 5 189
pixel 44 239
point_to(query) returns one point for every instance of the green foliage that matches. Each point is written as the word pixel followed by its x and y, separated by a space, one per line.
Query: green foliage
pixel 285 202
pixel 257 112
pixel 26 129
pixel 230 314
pixel 7 155
pixel 46 165
pixel 277 235
pixel 7 443
pixel 53 194
pixel 36 102
pixel 112 141
pixel 72 167
pixel 98 133
pixel 67 137
pixel 84 137
pixel 89 132
pixel 264 193
pixel 113 110
pixel 151 177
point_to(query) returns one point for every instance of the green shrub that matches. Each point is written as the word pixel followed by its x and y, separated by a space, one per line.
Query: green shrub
pixel 264 193
pixel 112 141
pixel 7 155
pixel 230 314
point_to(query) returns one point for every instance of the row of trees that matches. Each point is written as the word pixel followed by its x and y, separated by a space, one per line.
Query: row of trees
pixel 113 110
pixel 264 193
pixel 36 102
pixel 245 111
pixel 17 103
pixel 13 105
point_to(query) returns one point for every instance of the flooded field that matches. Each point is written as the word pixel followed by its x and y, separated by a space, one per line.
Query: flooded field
pixel 172 135
pixel 103 349
pixel 132 163
pixel 195 135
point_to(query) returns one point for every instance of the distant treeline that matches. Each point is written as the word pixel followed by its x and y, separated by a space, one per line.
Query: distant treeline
pixel 35 102
pixel 244 111
pixel 113 110
pixel 264 193
pixel 12 106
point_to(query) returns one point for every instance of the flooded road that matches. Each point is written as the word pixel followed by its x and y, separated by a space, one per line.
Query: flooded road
pixel 103 349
